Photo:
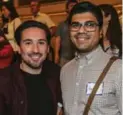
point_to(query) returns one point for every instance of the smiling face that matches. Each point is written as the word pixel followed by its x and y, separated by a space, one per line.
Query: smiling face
pixel 33 48
pixel 85 41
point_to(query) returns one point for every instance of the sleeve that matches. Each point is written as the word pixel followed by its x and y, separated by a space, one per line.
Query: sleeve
pixel 118 86
pixel 59 94
pixel 49 22
pixel 6 52
pixel 12 27
pixel 4 89
pixel 17 22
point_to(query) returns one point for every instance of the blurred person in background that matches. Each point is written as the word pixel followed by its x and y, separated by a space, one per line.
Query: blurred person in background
pixel 41 17
pixel 111 41
pixel 6 51
pixel 13 21
pixel 63 50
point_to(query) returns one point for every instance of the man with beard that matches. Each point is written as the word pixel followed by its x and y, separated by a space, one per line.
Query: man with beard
pixel 78 77
pixel 6 51
pixel 31 87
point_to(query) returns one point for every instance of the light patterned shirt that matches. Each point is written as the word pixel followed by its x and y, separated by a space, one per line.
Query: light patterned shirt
pixel 45 19
pixel 78 78
pixel 11 27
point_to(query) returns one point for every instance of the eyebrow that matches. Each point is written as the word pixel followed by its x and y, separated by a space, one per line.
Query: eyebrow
pixel 32 40
pixel 84 22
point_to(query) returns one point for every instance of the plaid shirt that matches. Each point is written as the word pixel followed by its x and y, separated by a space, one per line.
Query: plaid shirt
pixel 78 77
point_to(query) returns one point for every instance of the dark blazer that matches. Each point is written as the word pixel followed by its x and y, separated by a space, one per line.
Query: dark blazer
pixel 13 92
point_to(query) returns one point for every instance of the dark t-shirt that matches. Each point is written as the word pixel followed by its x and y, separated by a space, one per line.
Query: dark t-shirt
pixel 39 96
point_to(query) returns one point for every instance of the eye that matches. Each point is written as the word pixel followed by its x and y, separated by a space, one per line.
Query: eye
pixel 91 24
pixel 75 25
pixel 27 43
pixel 42 42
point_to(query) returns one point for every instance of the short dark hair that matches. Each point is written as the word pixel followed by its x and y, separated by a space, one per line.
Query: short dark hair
pixel 83 7
pixel 29 24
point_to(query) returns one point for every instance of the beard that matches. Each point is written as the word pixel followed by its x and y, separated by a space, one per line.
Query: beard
pixel 83 48
pixel 33 64
pixel 79 36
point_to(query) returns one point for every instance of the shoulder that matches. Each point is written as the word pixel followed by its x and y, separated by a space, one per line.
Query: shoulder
pixel 17 19
pixel 43 15
pixel 117 66
pixel 51 68
pixel 69 66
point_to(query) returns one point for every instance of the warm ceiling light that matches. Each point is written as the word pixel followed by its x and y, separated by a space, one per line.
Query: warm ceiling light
pixel 5 0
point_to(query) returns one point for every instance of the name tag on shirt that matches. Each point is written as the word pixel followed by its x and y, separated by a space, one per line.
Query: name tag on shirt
pixel 90 87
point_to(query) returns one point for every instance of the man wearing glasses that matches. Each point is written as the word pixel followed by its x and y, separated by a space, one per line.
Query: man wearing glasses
pixel 79 76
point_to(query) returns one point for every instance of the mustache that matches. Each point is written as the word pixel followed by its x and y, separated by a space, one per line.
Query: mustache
pixel 82 35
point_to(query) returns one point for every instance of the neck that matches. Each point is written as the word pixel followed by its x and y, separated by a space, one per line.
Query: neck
pixel 30 70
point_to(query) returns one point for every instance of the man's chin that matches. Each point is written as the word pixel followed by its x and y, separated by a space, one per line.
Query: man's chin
pixel 83 50
pixel 35 66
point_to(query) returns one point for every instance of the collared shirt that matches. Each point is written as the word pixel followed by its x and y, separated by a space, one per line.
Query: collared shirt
pixel 44 18
pixel 78 77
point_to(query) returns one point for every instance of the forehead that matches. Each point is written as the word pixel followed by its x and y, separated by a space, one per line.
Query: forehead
pixel 34 3
pixel 33 33
pixel 87 16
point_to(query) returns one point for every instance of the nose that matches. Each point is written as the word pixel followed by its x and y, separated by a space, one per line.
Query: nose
pixel 82 29
pixel 35 48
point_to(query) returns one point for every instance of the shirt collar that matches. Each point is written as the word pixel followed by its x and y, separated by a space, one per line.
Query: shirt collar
pixel 38 14
pixel 88 56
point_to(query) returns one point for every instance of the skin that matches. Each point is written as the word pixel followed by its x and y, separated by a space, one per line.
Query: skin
pixel 5 12
pixel 85 41
pixel 106 20
pixel 2 39
pixel 33 50
pixel 34 7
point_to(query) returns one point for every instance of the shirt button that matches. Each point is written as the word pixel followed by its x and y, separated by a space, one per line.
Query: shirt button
pixel 75 103
pixel 77 84
pixel 80 67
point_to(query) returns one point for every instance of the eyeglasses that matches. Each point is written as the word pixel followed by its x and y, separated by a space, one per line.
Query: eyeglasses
pixel 89 26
